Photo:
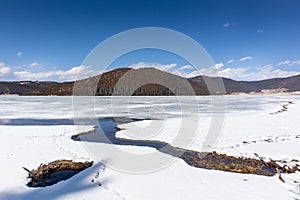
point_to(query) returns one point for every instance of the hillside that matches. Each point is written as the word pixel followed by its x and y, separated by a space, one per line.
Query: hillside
pixel 107 81
pixel 291 84
pixel 231 86
pixel 23 86
pixel 131 82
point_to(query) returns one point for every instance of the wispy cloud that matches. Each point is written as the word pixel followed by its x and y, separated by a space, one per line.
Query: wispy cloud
pixel 77 72
pixel 267 72
pixel 246 58
pixel 230 61
pixel 218 66
pixel 260 31
pixel 227 24
pixel 19 54
pixel 286 62
pixel 188 71
pixel 289 63
pixel 34 64
pixel 239 73
pixel 185 67
pixel 220 70
pixel 4 70
pixel 211 71
pixel 162 67
pixel 297 62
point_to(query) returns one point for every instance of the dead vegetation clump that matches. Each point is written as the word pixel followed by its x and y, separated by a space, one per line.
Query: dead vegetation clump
pixel 49 174
pixel 223 162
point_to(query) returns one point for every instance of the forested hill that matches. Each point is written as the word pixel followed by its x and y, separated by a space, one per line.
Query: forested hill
pixel 126 81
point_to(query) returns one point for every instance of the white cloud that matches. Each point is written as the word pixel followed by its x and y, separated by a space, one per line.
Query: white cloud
pixel 171 68
pixel 75 73
pixel 185 67
pixel 240 73
pixel 230 61
pixel 218 66
pixel 214 71
pixel 19 54
pixel 207 71
pixel 260 31
pixel 4 70
pixel 268 71
pixel 297 62
pixel 226 24
pixel 286 62
pixel 289 63
pixel 153 65
pixel 188 71
pixel 34 64
pixel 246 58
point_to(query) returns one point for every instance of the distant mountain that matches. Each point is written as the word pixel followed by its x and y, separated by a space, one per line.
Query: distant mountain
pixel 290 84
pixel 19 87
pixel 231 86
pixel 125 81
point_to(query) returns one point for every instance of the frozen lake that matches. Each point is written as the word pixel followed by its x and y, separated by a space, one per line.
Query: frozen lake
pixel 53 108
pixel 37 130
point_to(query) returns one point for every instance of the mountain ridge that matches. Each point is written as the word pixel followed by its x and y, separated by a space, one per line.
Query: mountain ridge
pixel 106 84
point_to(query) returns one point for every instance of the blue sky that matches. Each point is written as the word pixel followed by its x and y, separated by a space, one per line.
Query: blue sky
pixel 247 39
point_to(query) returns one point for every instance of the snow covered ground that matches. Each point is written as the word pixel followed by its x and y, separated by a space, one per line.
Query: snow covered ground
pixel 36 130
